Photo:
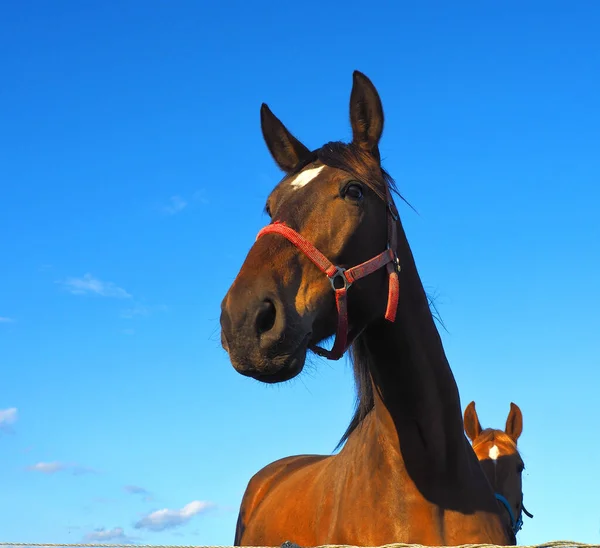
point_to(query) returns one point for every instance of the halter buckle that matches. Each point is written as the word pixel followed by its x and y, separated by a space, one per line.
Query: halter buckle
pixel 339 273
pixel 395 259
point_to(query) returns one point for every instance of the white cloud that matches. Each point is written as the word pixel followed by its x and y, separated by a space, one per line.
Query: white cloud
pixel 176 204
pixel 89 284
pixel 54 467
pixel 4 319
pixel 46 467
pixel 104 535
pixel 167 519
pixel 8 417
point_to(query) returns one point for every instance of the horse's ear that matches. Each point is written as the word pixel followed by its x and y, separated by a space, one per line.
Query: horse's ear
pixel 472 426
pixel 286 150
pixel 366 114
pixel 514 422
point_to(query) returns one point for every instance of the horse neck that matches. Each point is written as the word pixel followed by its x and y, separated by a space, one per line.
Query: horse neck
pixel 416 400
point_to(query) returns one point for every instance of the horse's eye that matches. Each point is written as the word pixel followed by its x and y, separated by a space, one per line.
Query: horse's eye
pixel 268 210
pixel 353 191
pixel 520 468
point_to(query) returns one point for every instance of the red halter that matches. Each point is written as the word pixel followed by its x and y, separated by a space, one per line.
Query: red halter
pixel 341 279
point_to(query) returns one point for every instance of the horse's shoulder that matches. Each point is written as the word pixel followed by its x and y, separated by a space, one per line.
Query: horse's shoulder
pixel 286 465
pixel 262 482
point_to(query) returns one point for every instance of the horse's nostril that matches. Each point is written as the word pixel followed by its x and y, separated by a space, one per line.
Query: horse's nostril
pixel 265 317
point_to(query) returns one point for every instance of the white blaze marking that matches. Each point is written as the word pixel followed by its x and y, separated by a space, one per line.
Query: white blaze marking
pixel 494 453
pixel 305 177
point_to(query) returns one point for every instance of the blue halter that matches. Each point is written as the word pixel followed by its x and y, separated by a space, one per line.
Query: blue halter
pixel 515 524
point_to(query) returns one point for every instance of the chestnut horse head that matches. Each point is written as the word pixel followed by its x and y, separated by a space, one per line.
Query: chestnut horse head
pixel 332 211
pixel 500 459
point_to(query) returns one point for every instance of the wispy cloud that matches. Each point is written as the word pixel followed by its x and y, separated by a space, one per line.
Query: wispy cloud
pixel 104 500
pixel 90 285
pixel 104 535
pixel 137 490
pixel 54 467
pixel 8 417
pixel 4 319
pixel 176 204
pixel 140 310
pixel 200 197
pixel 135 310
pixel 167 519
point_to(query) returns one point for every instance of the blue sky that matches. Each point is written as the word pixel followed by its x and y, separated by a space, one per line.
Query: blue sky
pixel 132 180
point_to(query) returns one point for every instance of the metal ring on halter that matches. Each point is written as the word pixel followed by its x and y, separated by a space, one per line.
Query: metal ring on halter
pixel 396 260
pixel 339 273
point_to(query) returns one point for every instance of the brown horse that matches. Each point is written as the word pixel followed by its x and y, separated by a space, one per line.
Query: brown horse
pixel 501 461
pixel 336 260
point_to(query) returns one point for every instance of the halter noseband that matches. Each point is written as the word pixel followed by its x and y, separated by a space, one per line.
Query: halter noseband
pixel 341 278
pixel 515 524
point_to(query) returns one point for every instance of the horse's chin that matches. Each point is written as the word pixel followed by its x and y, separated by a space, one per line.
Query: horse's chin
pixel 286 373
pixel 274 369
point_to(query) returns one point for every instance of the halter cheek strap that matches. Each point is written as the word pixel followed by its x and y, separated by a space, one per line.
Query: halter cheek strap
pixel 341 279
